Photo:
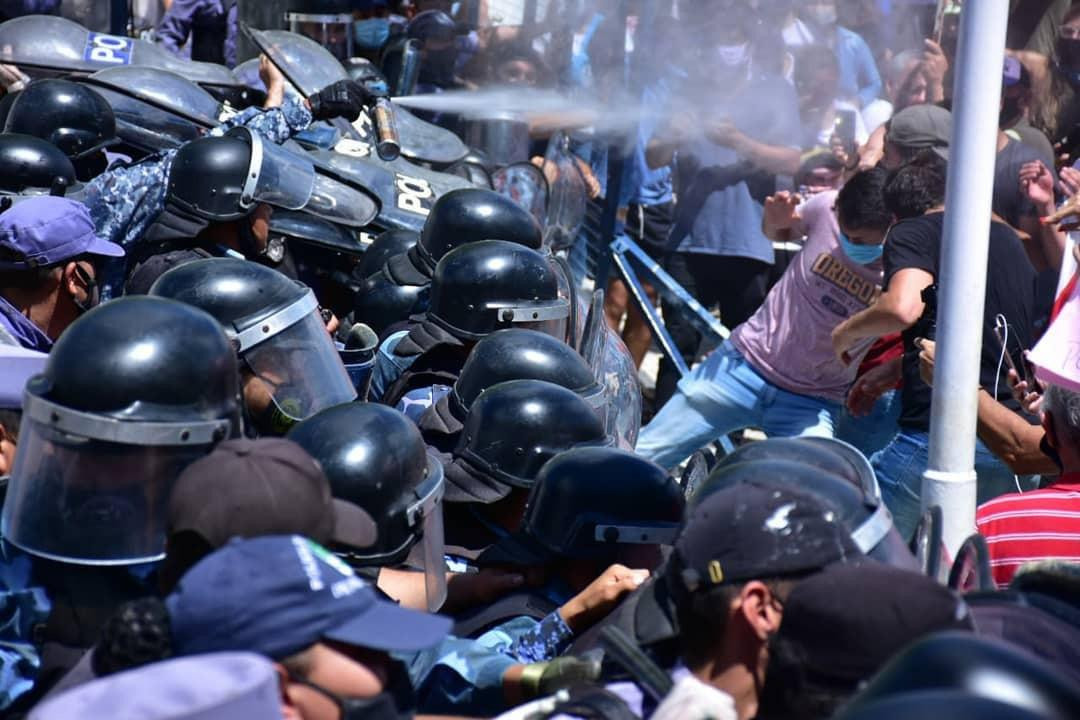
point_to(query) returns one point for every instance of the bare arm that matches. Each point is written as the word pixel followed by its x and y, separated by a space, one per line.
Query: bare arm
pixel 770 158
pixel 897 309
pixel 1011 438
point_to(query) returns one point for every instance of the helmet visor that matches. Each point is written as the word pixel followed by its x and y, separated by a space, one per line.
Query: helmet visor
pixel 299 370
pixel 429 552
pixel 91 502
pixel 550 317
pixel 277 177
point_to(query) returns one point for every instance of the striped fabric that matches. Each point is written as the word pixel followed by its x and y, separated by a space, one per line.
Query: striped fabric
pixel 1028 527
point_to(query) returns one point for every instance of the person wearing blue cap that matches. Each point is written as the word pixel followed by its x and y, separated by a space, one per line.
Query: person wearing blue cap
pixel 329 634
pixel 48 278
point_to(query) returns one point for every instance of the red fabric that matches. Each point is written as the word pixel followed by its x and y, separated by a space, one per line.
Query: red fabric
pixel 1059 301
pixel 1027 527
pixel 885 349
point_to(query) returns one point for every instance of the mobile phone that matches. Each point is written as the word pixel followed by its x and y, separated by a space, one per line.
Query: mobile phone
pixel 845 129
pixel 1009 345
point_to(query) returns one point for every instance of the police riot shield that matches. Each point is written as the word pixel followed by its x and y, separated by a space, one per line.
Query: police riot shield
pixel 332 31
pixel 567 197
pixel 400 64
pixel 145 127
pixel 44 45
pixel 525 184
pixel 309 68
pixel 163 89
pixel 263 14
pixel 613 368
pixel 590 345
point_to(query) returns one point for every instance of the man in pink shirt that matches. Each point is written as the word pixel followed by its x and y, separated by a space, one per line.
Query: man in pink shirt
pixel 778 371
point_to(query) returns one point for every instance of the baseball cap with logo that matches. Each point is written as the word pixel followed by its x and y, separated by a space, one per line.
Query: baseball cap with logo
pixel 278 595
pixel 46 230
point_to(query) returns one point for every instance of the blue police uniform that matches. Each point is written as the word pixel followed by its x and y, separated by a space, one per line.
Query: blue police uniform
pixel 125 201
pixel 16 329
pixel 211 24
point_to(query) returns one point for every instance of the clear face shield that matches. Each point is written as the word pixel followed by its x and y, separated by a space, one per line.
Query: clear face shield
pixel 91 490
pixel 425 518
pixel 296 368
pixel 524 183
pixel 568 196
pixel 550 317
pixel 619 376
pixel 275 176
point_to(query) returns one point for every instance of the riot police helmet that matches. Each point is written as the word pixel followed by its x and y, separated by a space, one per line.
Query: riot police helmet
pixel 519 354
pixel 431 25
pixel 511 431
pixel 461 216
pixel 965 662
pixel 385 246
pixel 31 166
pixel 594 502
pixel 221 179
pixel 374 458
pixel 489 285
pixel 133 392
pixel 382 304
pixel 290 366
pixel 71 116
pixel 836 471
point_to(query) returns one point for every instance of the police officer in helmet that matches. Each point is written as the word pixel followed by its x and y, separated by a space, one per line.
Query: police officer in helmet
pixel 512 354
pixel 132 393
pixel 477 289
pixel 69 115
pixel 289 366
pixel 511 430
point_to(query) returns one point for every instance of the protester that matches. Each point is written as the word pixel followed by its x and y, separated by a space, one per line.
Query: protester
pixel 209 25
pixel 750 380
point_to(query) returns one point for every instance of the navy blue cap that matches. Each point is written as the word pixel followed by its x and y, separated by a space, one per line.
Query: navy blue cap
pixel 278 595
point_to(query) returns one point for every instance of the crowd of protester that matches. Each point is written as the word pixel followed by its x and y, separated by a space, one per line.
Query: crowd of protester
pixel 254 467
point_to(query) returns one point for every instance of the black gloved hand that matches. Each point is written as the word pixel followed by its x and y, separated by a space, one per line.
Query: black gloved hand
pixel 345 98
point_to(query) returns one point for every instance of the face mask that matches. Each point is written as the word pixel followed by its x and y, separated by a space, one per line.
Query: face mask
pixel 1068 55
pixel 395 702
pixel 93 292
pixel 371 33
pixel 862 254
pixel 732 56
pixel 821 15
pixel 1011 112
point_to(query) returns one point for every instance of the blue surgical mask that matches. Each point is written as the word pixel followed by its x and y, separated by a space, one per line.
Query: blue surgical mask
pixel 372 33
pixel 862 254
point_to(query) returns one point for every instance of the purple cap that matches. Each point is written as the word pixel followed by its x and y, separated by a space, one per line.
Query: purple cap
pixel 222 686
pixel 45 230
pixel 19 366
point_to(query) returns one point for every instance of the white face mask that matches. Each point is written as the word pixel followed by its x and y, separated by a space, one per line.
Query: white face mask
pixel 732 55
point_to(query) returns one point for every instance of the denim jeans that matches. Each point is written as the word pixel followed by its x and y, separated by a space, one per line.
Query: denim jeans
pixel 872 432
pixel 723 394
pixel 900 464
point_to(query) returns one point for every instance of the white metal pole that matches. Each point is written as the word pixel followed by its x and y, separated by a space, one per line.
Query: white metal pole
pixel 949 480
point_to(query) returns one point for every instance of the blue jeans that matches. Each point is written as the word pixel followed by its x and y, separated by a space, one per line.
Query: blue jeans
pixel 723 394
pixel 900 464
pixel 874 431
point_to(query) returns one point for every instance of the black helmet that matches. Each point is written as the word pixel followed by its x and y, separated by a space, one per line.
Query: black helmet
pixel 589 501
pixel 31 165
pixel 485 286
pixel 133 392
pixel 976 665
pixel 518 354
pixel 385 246
pixel 431 25
pixel 380 304
pixel 277 329
pixel 462 216
pixel 375 458
pixel 224 178
pixel 837 472
pixel 952 704
pixel 511 431
pixel 69 115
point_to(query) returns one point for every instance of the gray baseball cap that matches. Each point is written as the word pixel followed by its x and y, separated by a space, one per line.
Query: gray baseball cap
pixel 922 126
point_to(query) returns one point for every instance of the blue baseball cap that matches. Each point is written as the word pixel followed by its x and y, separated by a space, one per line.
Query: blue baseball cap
pixel 278 595
pixel 46 230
